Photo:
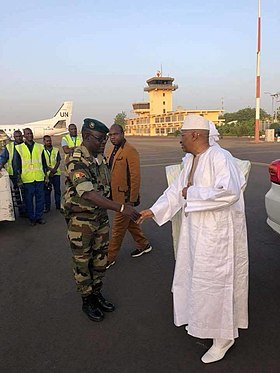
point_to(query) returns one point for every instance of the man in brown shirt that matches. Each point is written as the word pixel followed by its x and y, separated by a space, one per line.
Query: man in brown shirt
pixel 125 183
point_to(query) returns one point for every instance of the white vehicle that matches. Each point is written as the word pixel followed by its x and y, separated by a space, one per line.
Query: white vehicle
pixel 6 201
pixel 272 197
pixel 57 125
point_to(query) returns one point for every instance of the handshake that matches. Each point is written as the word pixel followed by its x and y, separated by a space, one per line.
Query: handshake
pixel 134 215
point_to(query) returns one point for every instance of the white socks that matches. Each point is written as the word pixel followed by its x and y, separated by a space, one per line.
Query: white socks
pixel 217 351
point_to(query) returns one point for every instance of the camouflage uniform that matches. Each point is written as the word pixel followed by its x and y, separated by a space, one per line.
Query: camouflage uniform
pixel 88 224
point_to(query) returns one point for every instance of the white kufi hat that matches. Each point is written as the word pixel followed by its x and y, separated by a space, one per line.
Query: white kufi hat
pixel 195 122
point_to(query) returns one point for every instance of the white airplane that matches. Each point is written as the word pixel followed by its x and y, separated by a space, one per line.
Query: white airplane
pixel 57 125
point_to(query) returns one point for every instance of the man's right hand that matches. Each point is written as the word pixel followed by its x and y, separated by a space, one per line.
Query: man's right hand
pixel 145 214
pixel 131 212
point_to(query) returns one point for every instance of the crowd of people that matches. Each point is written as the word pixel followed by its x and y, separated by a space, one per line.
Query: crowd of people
pixel 210 285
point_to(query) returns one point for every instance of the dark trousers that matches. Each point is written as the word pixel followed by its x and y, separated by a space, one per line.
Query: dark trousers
pixel 35 191
pixel 55 181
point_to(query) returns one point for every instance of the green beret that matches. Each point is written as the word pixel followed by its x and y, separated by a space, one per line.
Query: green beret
pixel 94 124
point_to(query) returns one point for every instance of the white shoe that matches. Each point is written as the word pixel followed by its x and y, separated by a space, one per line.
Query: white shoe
pixel 217 351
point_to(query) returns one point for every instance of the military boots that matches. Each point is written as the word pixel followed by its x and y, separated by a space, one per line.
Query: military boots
pixel 102 303
pixel 91 309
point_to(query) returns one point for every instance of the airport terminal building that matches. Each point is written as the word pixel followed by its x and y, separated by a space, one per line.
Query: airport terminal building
pixel 155 117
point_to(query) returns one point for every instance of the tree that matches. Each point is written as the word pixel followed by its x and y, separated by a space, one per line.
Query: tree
pixel 120 119
pixel 244 115
pixel 241 122
pixel 274 125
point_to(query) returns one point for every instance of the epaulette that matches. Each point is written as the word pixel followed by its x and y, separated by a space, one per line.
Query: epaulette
pixel 77 153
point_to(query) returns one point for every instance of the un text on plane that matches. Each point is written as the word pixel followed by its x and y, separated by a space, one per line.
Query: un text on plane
pixel 57 125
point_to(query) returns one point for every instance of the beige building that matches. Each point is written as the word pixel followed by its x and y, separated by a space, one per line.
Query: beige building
pixel 155 117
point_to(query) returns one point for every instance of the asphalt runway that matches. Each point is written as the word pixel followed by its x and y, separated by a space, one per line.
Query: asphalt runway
pixel 43 329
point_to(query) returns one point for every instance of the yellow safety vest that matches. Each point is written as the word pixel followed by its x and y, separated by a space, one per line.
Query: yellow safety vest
pixel 32 168
pixel 51 159
pixel 9 166
pixel 71 143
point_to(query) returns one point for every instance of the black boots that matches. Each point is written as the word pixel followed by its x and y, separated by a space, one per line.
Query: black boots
pixel 102 303
pixel 90 309
pixel 94 304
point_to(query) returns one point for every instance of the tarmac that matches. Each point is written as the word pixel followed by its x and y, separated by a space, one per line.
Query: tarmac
pixel 43 329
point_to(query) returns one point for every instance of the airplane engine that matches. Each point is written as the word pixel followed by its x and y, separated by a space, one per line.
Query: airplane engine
pixel 38 132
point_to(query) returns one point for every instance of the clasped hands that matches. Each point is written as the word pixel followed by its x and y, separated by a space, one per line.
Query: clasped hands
pixel 137 217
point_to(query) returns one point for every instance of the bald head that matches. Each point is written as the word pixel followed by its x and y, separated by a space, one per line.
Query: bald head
pixel 117 127
pixel 116 134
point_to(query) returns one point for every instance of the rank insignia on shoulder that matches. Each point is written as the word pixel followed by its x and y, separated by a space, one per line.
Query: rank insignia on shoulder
pixel 78 175
pixel 77 154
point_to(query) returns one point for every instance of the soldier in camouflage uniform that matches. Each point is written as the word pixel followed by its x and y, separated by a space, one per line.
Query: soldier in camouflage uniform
pixel 85 203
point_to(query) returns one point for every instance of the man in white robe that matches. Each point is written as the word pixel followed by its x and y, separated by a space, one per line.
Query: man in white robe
pixel 210 285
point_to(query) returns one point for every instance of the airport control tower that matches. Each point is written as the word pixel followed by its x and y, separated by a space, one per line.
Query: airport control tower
pixel 160 90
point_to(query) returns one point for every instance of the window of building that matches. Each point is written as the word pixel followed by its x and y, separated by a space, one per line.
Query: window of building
pixel 161 119
pixel 163 94
pixel 174 118
pixel 157 131
pixel 156 120
pixel 180 117
pixel 163 102
pixel 163 111
pixel 162 131
pixel 167 119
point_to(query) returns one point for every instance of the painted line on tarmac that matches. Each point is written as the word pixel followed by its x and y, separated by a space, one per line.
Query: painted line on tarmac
pixel 260 164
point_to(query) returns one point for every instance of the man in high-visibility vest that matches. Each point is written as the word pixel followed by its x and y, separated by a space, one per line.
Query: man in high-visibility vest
pixel 7 157
pixel 53 159
pixel 32 169
pixel 71 141
pixel 8 160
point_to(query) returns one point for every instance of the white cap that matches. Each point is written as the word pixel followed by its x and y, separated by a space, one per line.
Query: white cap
pixel 195 122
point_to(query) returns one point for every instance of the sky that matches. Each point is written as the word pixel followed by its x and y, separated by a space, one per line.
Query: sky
pixel 99 55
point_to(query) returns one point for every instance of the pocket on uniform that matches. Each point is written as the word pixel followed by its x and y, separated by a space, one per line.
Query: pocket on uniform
pixel 123 188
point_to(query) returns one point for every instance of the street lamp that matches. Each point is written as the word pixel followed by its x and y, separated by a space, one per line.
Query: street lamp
pixel 274 97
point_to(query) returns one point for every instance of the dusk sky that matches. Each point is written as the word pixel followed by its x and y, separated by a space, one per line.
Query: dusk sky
pixel 99 54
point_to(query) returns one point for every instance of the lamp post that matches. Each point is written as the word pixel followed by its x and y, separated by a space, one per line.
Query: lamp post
pixel 274 101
